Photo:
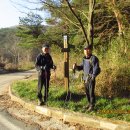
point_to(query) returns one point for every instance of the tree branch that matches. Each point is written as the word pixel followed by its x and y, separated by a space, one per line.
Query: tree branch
pixel 79 20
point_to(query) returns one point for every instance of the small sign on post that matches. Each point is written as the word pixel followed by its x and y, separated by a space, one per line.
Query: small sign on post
pixel 66 63
pixel 65 41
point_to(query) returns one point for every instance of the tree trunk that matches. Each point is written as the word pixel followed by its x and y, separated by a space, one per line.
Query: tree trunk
pixel 90 30
pixel 90 21
pixel 118 18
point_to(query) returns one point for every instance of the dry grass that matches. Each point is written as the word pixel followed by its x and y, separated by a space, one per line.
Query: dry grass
pixel 113 79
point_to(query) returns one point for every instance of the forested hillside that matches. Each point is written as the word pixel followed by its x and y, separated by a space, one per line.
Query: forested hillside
pixel 7 36
pixel 12 55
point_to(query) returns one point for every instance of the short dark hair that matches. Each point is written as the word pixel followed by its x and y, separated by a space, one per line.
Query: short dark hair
pixel 45 46
pixel 87 47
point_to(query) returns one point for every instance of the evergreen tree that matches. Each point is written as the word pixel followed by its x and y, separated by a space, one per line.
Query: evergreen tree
pixel 30 29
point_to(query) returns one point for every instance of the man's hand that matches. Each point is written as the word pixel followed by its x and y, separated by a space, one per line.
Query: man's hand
pixel 93 77
pixel 45 67
pixel 74 66
pixel 54 67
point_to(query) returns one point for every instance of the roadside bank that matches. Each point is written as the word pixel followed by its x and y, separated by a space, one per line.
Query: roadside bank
pixel 73 117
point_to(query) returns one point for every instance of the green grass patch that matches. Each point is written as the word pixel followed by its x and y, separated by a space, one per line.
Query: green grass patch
pixel 116 108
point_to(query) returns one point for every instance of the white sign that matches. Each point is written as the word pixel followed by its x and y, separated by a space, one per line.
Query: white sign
pixel 65 42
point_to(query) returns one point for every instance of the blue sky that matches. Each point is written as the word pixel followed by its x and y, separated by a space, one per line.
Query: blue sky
pixel 10 12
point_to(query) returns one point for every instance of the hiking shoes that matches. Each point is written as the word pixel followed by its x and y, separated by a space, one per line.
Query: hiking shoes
pixel 91 108
pixel 86 107
pixel 40 103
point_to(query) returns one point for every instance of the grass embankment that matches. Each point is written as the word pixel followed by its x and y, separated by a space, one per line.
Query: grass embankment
pixel 112 82
pixel 116 108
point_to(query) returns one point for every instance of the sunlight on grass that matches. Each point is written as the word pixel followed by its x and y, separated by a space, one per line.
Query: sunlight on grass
pixel 116 108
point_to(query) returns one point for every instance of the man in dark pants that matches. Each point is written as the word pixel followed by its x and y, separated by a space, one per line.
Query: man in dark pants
pixel 91 69
pixel 43 65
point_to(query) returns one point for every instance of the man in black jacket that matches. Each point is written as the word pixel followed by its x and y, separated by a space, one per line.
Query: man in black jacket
pixel 90 67
pixel 43 65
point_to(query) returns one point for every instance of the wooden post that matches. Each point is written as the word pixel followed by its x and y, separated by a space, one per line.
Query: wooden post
pixel 66 63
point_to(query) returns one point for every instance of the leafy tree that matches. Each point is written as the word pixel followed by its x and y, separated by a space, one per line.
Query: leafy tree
pixel 30 29
pixel 77 17
pixel 62 19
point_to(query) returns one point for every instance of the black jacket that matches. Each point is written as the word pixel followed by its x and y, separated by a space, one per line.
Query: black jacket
pixel 44 62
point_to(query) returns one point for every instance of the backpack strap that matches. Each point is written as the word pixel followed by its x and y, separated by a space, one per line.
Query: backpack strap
pixel 90 61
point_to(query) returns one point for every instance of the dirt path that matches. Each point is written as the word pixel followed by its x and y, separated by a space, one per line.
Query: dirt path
pixel 35 119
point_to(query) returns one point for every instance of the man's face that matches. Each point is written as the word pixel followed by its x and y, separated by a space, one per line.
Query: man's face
pixel 45 50
pixel 87 52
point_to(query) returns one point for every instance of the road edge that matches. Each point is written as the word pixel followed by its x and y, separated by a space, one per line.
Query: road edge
pixel 73 117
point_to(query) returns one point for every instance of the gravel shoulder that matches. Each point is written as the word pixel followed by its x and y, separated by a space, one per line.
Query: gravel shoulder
pixel 19 112
pixel 32 118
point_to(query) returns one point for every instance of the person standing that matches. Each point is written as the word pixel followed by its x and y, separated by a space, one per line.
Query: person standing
pixel 44 64
pixel 90 67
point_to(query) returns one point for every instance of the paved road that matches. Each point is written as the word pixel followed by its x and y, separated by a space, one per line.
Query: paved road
pixel 6 79
pixel 6 121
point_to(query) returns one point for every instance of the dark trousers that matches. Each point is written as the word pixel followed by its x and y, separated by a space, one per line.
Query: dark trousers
pixel 43 80
pixel 89 89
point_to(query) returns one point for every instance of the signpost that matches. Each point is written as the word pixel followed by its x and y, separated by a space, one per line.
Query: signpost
pixel 66 63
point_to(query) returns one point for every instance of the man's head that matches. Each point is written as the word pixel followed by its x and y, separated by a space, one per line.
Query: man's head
pixel 45 48
pixel 88 50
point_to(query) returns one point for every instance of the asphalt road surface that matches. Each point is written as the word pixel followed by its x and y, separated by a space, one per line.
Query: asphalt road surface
pixel 6 121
